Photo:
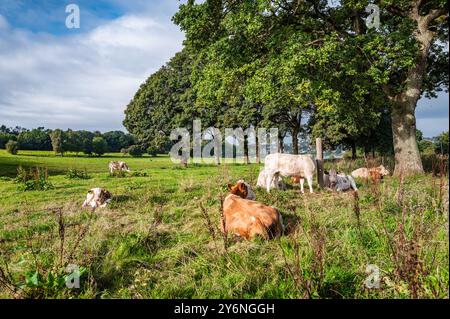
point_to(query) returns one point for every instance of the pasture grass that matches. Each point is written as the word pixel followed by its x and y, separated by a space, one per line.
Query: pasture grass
pixel 159 237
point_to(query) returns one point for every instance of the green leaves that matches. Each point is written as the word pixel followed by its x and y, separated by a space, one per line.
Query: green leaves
pixel 252 62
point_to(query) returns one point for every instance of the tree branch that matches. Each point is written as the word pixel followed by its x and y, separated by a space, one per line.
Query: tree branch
pixel 434 14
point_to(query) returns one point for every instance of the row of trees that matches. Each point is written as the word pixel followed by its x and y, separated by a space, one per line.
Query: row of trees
pixel 303 66
pixel 436 145
pixel 66 141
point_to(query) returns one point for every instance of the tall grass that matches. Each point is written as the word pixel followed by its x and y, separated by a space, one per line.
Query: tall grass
pixel 160 238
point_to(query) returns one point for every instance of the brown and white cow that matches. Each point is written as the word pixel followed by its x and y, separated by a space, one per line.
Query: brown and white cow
pixel 97 197
pixel 290 165
pixel 118 166
pixel 248 218
pixel 374 173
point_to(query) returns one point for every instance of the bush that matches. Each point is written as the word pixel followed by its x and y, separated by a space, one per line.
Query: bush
pixel 152 151
pixel 426 147
pixel 135 151
pixel 435 163
pixel 138 174
pixel 5 137
pixel 99 145
pixel 33 180
pixel 118 173
pixel 57 138
pixel 442 143
pixel 73 173
pixel 12 147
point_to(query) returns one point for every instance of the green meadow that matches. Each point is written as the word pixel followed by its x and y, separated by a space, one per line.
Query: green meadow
pixel 159 237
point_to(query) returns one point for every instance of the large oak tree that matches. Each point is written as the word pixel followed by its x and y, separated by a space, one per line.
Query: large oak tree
pixel 328 45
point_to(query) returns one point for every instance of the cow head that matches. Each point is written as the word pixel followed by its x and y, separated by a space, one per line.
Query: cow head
pixel 332 177
pixel 242 189
pixel 104 198
pixel 383 171
pixel 375 175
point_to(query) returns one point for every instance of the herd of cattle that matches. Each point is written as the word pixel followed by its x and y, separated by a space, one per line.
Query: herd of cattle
pixel 242 214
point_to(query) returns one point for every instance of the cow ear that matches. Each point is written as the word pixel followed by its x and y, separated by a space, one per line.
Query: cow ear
pixel 230 186
pixel 242 187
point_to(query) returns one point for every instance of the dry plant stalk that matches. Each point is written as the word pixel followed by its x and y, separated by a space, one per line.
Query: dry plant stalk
pixel 6 281
pixel 222 221
pixel 208 221
pixel 357 210
pixel 61 232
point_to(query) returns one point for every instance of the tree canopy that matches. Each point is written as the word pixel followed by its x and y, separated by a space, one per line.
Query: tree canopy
pixel 304 66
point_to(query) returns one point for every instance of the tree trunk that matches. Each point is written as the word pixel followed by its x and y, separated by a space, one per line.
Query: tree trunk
pixel 246 161
pixel 407 156
pixel 217 151
pixel 258 160
pixel 366 151
pixel 353 150
pixel 281 143
pixel 295 141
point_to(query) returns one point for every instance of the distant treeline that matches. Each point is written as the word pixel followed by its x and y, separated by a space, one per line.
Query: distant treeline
pixel 66 141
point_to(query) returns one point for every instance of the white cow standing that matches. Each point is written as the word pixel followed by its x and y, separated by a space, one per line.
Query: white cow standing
pixel 290 165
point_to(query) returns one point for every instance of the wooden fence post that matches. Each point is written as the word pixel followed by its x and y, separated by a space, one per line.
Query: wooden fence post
pixel 319 161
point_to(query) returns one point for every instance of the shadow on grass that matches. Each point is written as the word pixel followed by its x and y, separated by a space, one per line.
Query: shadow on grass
pixel 121 198
pixel 118 260
pixel 291 222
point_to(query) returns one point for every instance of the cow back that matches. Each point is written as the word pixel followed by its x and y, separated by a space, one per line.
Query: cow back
pixel 248 219
pixel 290 165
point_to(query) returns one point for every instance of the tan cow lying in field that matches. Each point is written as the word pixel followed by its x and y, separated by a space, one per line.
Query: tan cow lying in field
pixel 290 165
pixel 247 218
pixel 374 173
pixel 97 197
pixel 118 166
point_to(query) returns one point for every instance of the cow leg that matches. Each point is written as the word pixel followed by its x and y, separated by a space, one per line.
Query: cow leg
pixel 302 182
pixel 269 179
pixel 310 182
pixel 352 182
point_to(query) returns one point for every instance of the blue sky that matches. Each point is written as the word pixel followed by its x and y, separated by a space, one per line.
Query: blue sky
pixel 83 78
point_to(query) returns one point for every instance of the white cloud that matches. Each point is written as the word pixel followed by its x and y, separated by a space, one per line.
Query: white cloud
pixel 83 80
pixel 3 22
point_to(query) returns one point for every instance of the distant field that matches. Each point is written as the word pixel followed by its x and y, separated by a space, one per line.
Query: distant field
pixel 59 165
pixel 153 240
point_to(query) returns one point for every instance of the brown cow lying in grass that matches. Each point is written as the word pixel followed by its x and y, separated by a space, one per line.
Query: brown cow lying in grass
pixel 97 197
pixel 248 218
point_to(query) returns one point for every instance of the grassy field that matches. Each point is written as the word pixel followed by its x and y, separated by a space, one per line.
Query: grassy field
pixel 159 236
